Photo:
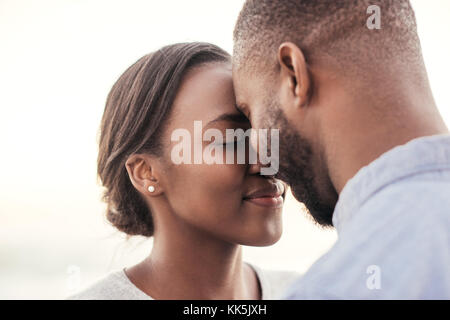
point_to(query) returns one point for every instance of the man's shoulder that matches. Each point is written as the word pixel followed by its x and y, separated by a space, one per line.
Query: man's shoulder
pixel 401 238
pixel 417 194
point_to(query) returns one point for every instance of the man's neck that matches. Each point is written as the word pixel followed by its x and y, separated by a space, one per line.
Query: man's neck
pixel 364 137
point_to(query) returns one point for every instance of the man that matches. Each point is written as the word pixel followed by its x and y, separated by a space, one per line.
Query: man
pixel 362 143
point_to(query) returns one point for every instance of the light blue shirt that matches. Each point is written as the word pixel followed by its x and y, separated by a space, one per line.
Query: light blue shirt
pixel 393 225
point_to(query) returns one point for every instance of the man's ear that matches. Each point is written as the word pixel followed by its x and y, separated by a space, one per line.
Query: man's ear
pixel 143 174
pixel 295 71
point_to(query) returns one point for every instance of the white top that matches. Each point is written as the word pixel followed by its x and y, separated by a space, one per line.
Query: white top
pixel 393 224
pixel 117 286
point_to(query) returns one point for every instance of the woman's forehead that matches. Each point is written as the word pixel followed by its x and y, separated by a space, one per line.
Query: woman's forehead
pixel 205 93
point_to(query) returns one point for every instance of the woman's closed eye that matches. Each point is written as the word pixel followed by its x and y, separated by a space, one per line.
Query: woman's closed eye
pixel 235 141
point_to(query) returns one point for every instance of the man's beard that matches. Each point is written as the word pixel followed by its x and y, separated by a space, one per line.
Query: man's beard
pixel 296 169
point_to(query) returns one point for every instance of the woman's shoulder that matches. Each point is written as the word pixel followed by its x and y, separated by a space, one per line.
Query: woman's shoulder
pixel 113 286
pixel 275 283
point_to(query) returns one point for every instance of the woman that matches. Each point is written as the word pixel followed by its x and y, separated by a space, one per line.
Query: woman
pixel 199 214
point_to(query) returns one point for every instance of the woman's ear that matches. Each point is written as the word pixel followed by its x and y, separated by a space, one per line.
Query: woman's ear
pixel 143 174
pixel 294 72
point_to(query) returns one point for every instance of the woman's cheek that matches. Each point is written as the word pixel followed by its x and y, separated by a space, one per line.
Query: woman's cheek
pixel 221 187
pixel 198 188
pixel 226 177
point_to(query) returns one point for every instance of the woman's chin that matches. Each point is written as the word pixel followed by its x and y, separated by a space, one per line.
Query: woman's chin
pixel 267 238
pixel 261 243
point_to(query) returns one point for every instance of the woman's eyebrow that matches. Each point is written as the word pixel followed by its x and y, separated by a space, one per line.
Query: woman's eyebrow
pixel 232 117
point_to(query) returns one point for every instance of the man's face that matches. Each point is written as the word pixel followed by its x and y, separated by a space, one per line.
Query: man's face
pixel 300 163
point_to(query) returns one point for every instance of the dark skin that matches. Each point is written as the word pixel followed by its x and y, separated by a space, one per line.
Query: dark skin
pixel 347 122
pixel 200 211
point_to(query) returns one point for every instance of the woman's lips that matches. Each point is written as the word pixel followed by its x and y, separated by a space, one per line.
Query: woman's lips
pixel 271 202
pixel 270 196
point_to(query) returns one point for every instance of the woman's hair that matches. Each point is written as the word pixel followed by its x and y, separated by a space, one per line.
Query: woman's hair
pixel 136 110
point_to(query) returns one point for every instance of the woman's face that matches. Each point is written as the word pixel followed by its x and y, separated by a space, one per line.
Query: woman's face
pixel 232 202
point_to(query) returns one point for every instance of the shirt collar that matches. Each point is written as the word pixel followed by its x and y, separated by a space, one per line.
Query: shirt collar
pixel 418 155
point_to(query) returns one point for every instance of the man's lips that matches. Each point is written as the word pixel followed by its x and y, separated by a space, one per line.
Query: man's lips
pixel 269 196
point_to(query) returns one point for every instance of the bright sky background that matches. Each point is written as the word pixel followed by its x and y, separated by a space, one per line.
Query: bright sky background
pixel 58 60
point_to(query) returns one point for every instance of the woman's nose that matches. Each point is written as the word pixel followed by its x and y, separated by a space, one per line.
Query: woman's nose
pixel 254 167
pixel 253 157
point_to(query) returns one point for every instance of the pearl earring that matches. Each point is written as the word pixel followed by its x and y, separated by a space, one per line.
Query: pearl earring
pixel 151 188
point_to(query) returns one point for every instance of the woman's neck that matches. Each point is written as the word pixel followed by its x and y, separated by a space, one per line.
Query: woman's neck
pixel 193 265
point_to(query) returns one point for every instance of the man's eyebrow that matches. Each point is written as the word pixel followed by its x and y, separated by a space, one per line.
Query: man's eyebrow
pixel 232 117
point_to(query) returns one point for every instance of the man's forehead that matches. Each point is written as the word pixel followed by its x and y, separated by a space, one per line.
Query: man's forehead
pixel 246 78
pixel 241 83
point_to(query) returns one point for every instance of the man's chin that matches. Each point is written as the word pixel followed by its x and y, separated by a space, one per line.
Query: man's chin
pixel 321 212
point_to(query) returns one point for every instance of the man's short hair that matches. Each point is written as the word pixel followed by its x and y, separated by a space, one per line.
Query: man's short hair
pixel 336 29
